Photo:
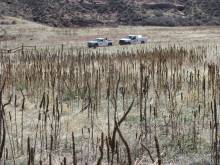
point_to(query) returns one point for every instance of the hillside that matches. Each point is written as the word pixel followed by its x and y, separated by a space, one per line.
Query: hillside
pixel 69 13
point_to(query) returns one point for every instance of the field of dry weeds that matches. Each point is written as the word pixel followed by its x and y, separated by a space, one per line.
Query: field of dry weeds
pixel 151 104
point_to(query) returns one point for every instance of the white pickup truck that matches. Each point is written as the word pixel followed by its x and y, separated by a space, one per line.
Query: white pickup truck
pixel 133 39
pixel 99 42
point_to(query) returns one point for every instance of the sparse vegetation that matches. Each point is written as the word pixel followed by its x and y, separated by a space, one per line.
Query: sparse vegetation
pixel 70 13
pixel 156 103
pixel 137 106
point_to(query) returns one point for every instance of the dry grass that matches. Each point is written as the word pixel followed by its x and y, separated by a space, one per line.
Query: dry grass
pixel 176 76
pixel 30 33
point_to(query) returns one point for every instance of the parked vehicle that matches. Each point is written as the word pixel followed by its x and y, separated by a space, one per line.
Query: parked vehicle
pixel 99 42
pixel 133 39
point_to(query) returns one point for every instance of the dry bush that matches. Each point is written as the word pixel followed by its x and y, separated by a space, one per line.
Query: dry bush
pixel 157 104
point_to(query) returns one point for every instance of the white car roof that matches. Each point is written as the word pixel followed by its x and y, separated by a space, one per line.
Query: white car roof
pixel 135 35
pixel 99 38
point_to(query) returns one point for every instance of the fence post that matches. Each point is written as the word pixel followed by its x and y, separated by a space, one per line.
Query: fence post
pixel 22 48
pixel 62 47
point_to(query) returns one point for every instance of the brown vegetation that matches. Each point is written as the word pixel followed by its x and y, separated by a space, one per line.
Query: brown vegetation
pixel 70 13
pixel 124 108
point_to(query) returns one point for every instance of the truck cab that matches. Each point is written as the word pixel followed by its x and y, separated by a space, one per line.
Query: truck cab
pixel 133 39
pixel 99 42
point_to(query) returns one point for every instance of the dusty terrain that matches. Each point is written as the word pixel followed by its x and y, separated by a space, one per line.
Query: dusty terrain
pixel 28 33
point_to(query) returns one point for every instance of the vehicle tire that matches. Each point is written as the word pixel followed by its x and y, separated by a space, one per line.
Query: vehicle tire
pixel 110 44
pixel 142 42
pixel 95 46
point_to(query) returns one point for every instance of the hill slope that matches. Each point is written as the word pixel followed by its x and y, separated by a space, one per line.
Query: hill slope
pixel 70 13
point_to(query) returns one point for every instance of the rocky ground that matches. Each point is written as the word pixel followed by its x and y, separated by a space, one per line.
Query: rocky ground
pixel 69 13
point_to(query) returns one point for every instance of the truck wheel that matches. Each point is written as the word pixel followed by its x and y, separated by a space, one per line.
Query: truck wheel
pixel 110 44
pixel 142 42
pixel 95 46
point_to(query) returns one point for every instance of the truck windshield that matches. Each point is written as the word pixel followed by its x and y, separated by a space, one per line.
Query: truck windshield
pixel 99 40
pixel 132 37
